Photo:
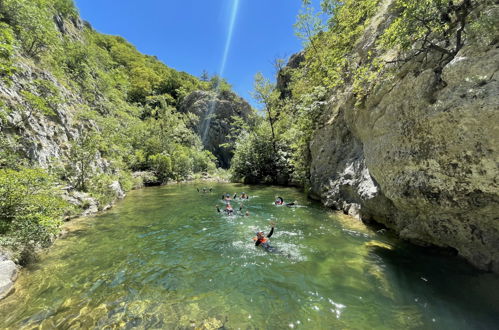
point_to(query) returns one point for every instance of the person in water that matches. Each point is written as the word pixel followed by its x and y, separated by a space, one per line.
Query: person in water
pixel 229 209
pixel 244 195
pixel 280 201
pixel 262 240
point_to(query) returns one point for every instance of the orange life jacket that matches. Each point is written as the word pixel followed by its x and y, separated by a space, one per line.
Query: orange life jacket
pixel 262 240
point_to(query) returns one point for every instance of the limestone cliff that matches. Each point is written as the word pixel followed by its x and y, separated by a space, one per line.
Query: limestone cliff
pixel 215 112
pixel 420 155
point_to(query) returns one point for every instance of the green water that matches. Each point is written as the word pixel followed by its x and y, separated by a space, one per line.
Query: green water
pixel 164 258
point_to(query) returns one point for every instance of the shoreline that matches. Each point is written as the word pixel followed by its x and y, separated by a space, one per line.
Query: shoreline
pixel 10 269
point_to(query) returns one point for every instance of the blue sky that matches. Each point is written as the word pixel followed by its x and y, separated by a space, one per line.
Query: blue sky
pixel 191 35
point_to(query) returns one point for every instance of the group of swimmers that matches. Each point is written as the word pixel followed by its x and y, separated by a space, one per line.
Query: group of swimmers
pixel 226 196
pixel 260 239
pixel 228 208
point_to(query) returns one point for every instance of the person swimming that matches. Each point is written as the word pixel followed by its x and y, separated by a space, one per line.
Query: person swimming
pixel 280 201
pixel 262 240
pixel 244 196
pixel 229 209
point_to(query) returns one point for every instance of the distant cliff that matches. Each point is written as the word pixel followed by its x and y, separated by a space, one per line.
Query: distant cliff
pixel 216 112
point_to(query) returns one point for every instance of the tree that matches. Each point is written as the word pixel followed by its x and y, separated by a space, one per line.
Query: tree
pixel 266 94
pixel 33 23
pixel 205 76
pixel 82 156
pixel 429 25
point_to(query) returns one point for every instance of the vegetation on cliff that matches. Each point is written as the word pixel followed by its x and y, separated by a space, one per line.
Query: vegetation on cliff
pixel 336 58
pixel 122 106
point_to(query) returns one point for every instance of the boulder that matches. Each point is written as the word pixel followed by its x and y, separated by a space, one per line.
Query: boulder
pixel 8 274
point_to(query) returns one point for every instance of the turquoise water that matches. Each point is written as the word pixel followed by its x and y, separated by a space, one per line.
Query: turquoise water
pixel 164 258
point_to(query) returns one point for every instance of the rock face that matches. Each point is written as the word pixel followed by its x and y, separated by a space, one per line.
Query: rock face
pixel 8 274
pixel 284 75
pixel 420 159
pixel 215 112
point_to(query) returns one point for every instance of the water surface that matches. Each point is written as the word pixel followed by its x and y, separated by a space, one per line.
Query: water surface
pixel 164 258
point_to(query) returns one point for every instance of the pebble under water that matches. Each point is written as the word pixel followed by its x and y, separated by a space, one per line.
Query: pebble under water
pixel 164 258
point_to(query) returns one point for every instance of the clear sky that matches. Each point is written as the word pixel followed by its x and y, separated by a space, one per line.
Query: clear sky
pixel 192 35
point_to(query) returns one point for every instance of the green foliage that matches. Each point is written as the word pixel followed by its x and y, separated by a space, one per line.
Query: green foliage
pixel 82 156
pixel 37 103
pixel 30 208
pixel 66 8
pixel 161 165
pixel 218 83
pixel 7 43
pixel 428 25
pixel 256 161
pixel 10 155
pixel 328 53
pixel 46 99
pixel 32 21
pixel 99 187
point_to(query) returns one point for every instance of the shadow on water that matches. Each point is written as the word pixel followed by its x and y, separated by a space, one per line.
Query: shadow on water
pixel 454 294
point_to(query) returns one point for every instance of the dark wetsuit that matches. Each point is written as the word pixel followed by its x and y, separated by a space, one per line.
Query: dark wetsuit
pixel 265 245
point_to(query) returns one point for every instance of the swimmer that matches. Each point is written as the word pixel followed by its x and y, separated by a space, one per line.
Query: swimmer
pixel 262 240
pixel 229 209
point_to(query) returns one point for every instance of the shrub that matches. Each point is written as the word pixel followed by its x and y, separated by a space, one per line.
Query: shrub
pixel 31 208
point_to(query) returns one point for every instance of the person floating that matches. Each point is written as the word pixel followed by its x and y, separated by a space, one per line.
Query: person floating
pixel 244 196
pixel 280 201
pixel 262 240
pixel 229 209
pixel 226 197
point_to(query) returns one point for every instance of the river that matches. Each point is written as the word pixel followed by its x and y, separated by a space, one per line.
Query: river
pixel 164 258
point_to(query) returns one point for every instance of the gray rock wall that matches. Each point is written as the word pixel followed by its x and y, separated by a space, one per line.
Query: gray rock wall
pixel 419 159
pixel 215 111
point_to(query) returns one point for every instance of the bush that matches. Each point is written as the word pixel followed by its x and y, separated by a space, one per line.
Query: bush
pixel 7 42
pixel 162 166
pixel 100 189
pixel 31 208
pixel 256 161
